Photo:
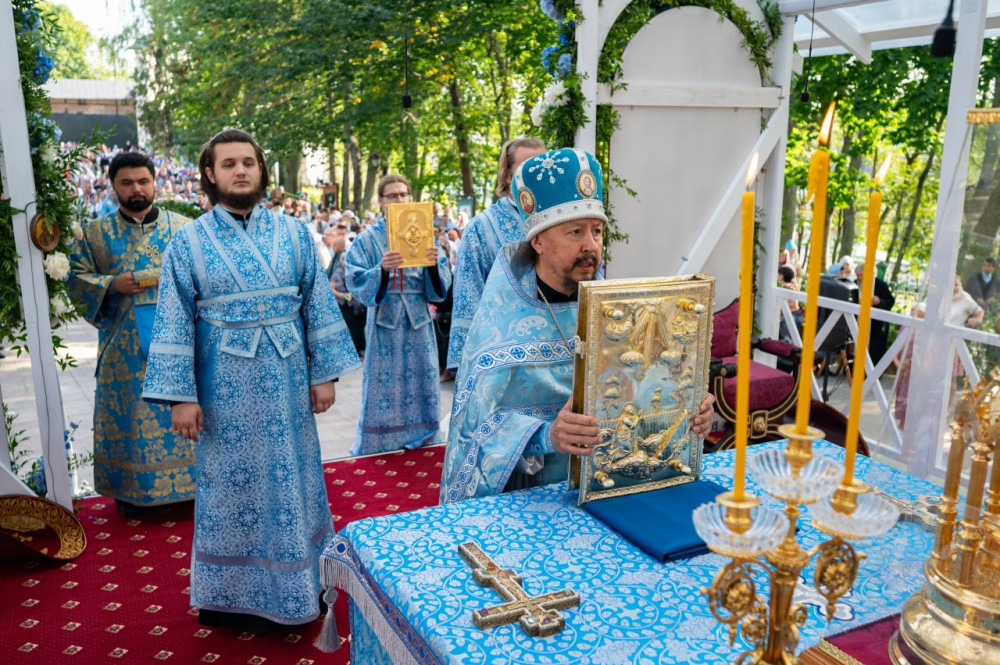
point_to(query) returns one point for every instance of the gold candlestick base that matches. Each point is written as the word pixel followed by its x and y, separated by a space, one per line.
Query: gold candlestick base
pixel 739 516
pixel 799 450
pixel 955 618
pixel 945 624
pixel 845 498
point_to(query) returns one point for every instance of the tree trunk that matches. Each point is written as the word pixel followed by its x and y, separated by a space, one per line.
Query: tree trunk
pixel 895 228
pixel 410 150
pixel 461 137
pixel 835 250
pixel 421 164
pixel 331 157
pixel 500 81
pixel 848 223
pixel 911 220
pixel 989 151
pixel 789 214
pixel 374 160
pixel 291 165
pixel 345 178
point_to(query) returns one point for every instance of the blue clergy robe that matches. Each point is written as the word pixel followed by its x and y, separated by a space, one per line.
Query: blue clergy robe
pixel 516 375
pixel 138 458
pixel 486 234
pixel 246 323
pixel 401 394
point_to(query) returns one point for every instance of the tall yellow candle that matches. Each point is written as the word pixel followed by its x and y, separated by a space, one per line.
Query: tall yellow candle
pixel 745 332
pixel 819 171
pixel 864 326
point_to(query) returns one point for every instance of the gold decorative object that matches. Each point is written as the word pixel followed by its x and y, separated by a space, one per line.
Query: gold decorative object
pixel 982 116
pixel 760 539
pixel 43 529
pixel 44 235
pixel 411 231
pixel 955 618
pixel 536 615
pixel 641 370
pixel 147 278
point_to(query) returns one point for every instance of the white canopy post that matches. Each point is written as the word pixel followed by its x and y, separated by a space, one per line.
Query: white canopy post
pixel 774 182
pixel 588 53
pixel 929 393
pixel 19 183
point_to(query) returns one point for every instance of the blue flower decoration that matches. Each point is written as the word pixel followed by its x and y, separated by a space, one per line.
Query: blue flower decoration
pixel 28 18
pixel 43 67
pixel 565 65
pixel 36 479
pixel 550 10
pixel 547 63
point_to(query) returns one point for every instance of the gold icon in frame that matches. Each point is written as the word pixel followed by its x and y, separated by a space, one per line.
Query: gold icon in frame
pixel 642 370
pixel 411 231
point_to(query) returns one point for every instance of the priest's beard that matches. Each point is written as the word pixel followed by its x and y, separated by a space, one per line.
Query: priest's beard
pixel 235 201
pixel 568 282
pixel 136 203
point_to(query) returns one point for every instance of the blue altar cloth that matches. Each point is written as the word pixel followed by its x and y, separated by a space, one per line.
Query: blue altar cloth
pixel 412 594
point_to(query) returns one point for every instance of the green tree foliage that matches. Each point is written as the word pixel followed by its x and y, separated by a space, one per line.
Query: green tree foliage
pixel 897 104
pixel 72 40
pixel 329 75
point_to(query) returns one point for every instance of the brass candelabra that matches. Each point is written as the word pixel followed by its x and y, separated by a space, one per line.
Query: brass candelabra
pixel 760 539
pixel 955 617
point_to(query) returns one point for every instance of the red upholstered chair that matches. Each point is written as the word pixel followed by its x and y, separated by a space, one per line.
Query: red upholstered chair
pixel 772 391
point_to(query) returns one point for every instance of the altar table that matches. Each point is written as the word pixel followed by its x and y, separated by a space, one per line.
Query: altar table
pixel 412 594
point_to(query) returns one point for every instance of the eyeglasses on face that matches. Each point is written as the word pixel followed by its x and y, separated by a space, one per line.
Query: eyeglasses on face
pixel 396 196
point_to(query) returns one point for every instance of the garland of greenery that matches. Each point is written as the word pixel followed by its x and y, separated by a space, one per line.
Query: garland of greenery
pixel 36 30
pixel 189 210
pixel 560 112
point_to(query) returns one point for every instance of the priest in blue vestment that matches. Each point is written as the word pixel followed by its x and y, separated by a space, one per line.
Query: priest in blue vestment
pixel 512 424
pixel 115 267
pixel 247 343
pixel 489 231
pixel 401 393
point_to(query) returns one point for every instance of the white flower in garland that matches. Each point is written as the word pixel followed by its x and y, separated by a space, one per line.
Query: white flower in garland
pixel 56 266
pixel 77 230
pixel 49 154
pixel 58 305
pixel 555 94
pixel 536 114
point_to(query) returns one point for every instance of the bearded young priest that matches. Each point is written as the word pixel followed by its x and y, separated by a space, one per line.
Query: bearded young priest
pixel 512 424
pixel 247 343
pixel 138 460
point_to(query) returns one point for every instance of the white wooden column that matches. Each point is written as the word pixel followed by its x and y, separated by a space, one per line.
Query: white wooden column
pixel 588 52
pixel 929 389
pixel 19 183
pixel 774 183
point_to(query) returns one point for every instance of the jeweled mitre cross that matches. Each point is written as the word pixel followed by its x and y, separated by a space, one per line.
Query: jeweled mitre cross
pixel 537 615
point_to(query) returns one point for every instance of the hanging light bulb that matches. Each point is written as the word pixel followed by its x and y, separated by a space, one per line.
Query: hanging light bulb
pixel 943 45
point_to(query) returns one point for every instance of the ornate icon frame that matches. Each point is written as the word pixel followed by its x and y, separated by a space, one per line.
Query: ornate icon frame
pixel 411 238
pixel 622 359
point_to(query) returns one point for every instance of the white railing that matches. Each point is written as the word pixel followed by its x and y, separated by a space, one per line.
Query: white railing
pixel 895 447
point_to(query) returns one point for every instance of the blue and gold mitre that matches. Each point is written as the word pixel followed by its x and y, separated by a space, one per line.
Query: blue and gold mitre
pixel 558 186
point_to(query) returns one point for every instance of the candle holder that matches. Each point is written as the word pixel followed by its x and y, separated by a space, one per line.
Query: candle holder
pixel 955 617
pixel 796 477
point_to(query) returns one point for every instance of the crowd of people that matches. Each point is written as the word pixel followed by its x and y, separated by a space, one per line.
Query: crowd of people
pixel 219 338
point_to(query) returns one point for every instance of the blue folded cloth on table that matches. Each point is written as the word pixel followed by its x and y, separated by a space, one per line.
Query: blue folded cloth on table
pixel 658 522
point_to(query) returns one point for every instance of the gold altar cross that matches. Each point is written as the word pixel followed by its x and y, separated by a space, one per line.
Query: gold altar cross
pixel 537 615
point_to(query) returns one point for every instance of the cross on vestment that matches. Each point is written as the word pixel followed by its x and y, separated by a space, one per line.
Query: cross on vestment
pixel 537 615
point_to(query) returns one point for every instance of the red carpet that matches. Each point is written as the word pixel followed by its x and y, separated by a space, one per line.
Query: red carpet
pixel 125 599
